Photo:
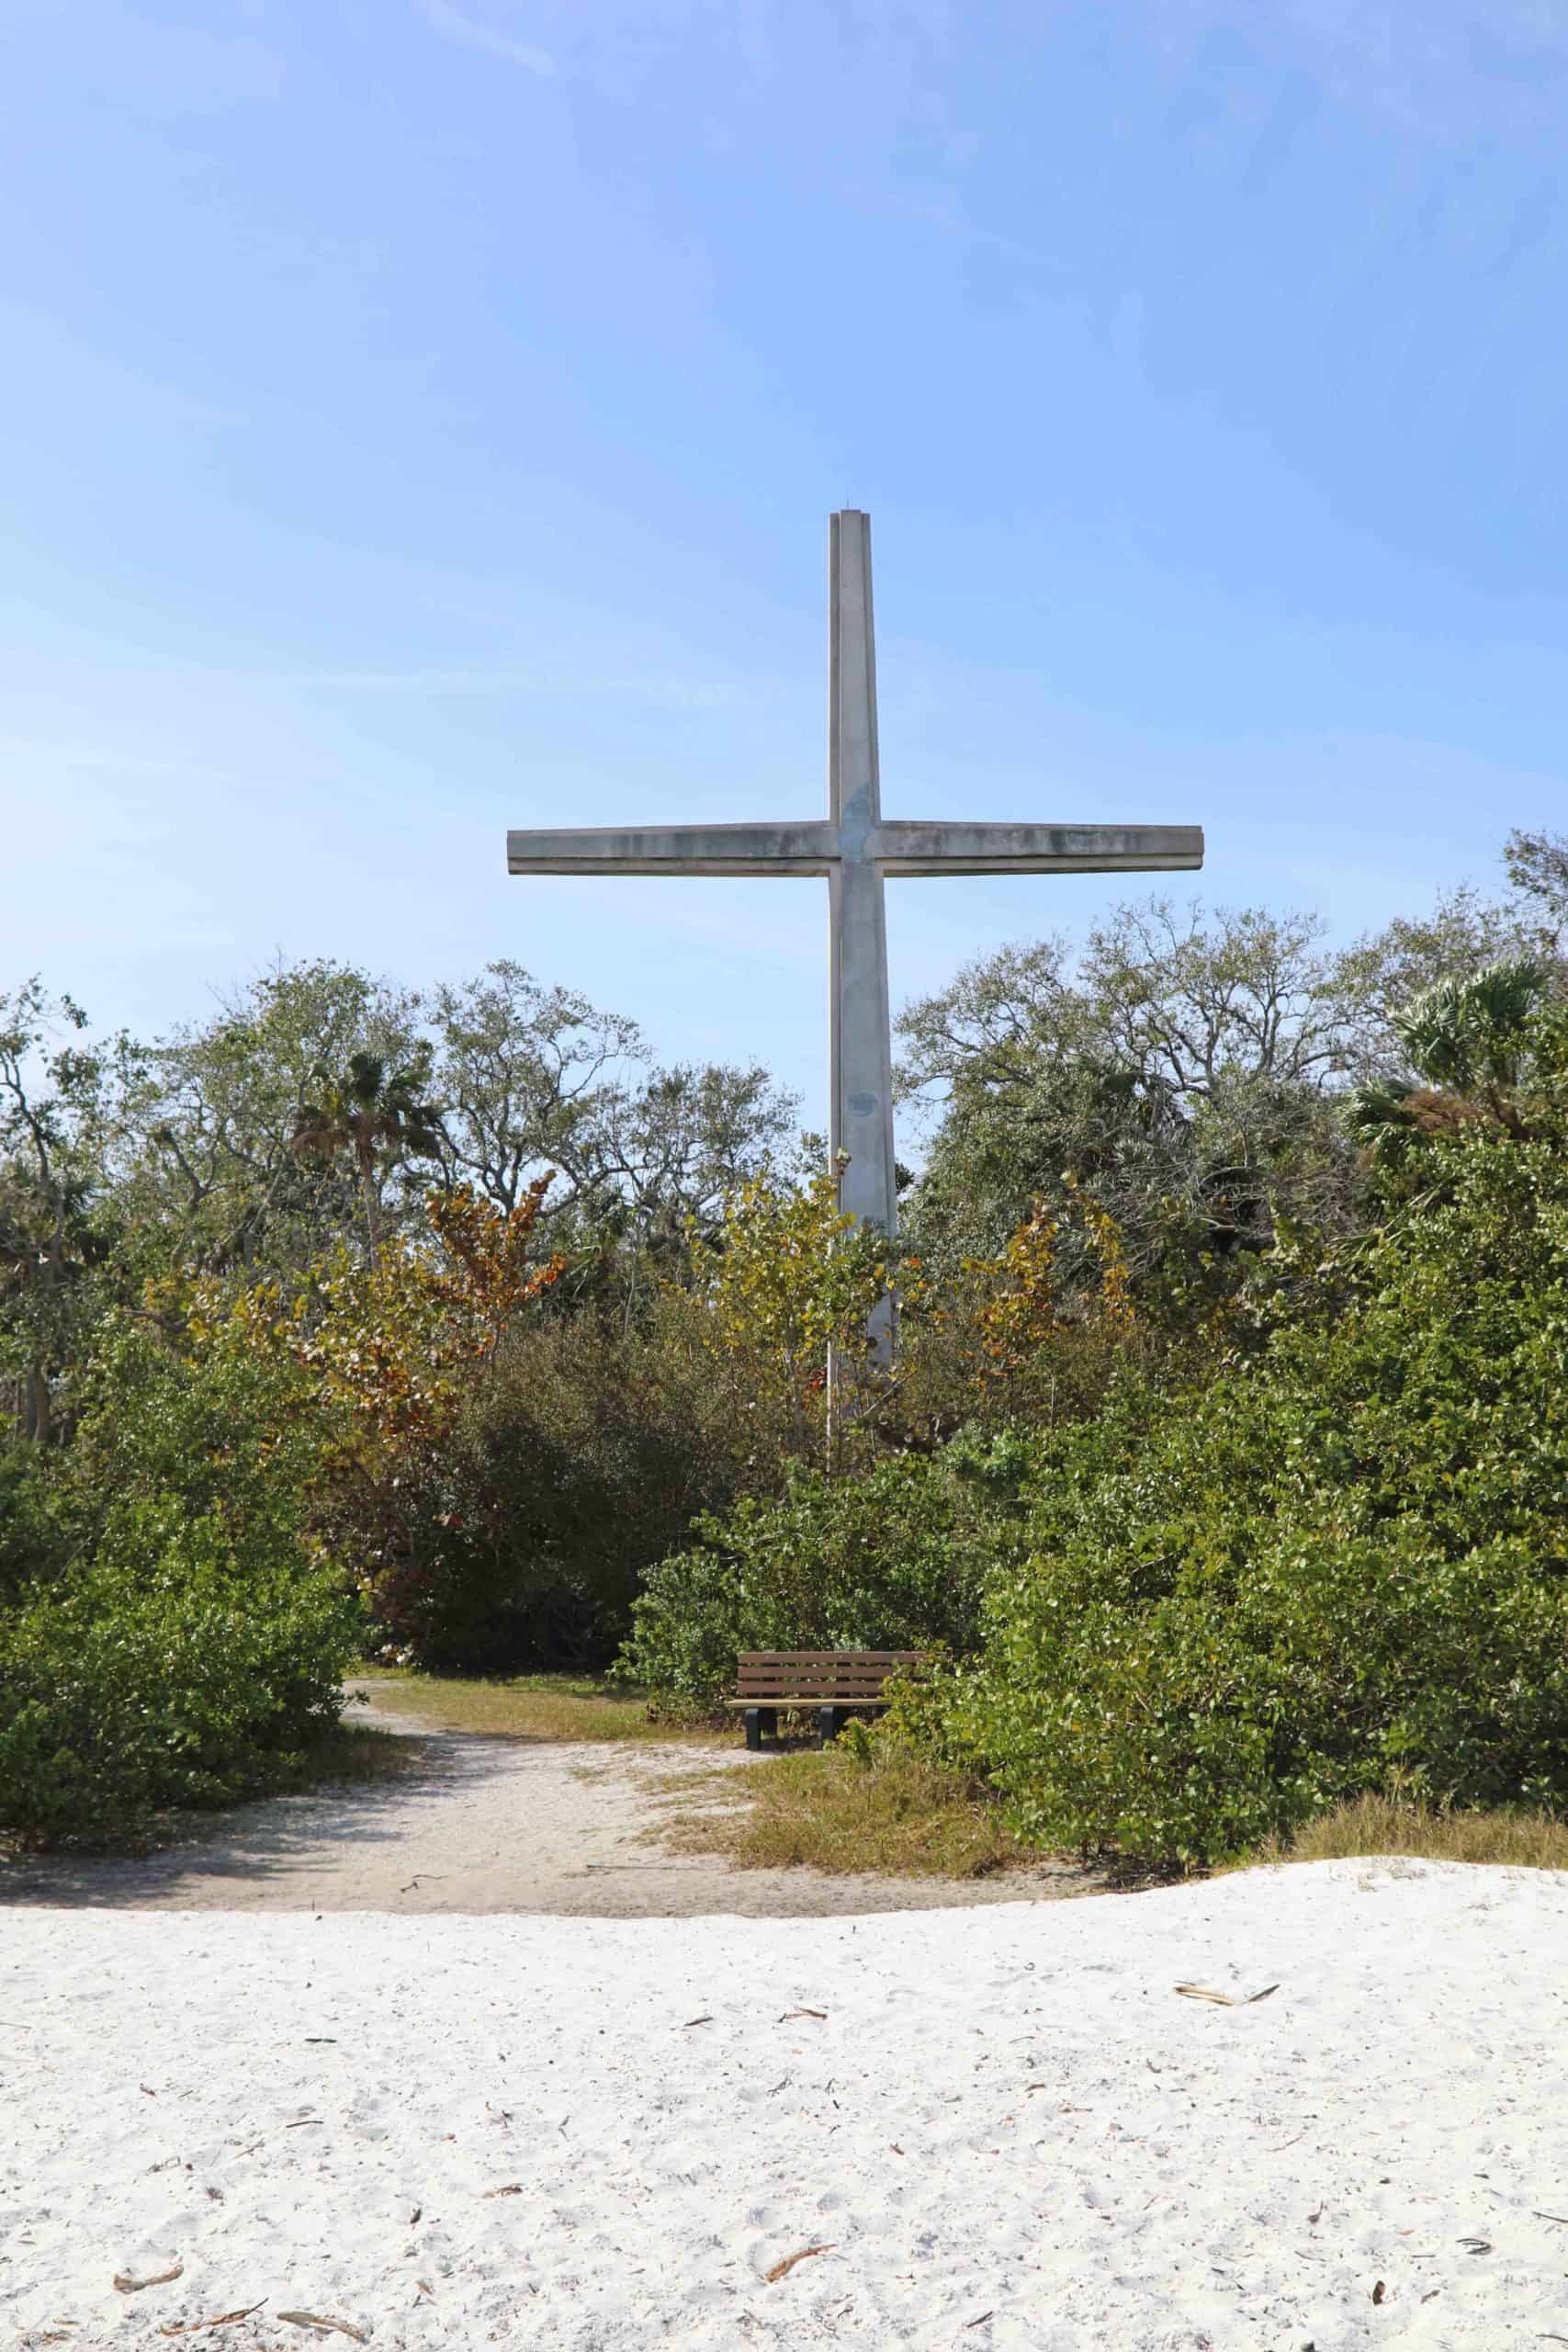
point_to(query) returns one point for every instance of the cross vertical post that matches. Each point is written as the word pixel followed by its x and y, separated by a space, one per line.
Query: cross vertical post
pixel 860 1048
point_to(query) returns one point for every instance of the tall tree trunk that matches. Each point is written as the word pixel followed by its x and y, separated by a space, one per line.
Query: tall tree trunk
pixel 366 1146
pixel 37 1418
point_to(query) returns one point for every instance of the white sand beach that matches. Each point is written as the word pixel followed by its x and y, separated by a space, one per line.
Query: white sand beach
pixel 987 2127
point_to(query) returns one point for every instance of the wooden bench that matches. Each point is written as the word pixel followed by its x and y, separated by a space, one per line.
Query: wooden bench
pixel 832 1681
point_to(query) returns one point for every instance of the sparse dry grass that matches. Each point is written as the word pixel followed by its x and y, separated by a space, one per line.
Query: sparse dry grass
pixel 836 1809
pixel 1374 1824
pixel 526 1706
pixel 352 1755
pixel 883 1808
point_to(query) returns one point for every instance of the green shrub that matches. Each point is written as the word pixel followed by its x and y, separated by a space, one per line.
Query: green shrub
pixel 32 1536
pixel 582 1454
pixel 893 1559
pixel 173 1681
pixel 185 1644
pixel 1341 1568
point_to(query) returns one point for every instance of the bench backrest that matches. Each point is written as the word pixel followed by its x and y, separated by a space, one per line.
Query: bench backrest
pixel 827 1676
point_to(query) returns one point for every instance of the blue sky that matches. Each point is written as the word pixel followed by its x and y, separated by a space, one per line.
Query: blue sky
pixel 422 416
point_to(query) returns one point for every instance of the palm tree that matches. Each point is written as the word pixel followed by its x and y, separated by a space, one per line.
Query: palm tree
pixel 1467 1045
pixel 380 1115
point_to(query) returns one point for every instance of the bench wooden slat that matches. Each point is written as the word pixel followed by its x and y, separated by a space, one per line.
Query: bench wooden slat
pixel 799 1677
pixel 828 1657
pixel 818 1673
pixel 824 1666
pixel 846 1663
pixel 786 1699
pixel 809 1670
pixel 778 1693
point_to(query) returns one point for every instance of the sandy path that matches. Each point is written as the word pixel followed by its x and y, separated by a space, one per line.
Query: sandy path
pixel 486 1824
pixel 1002 2130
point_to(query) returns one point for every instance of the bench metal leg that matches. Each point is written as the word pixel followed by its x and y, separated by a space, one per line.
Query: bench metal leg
pixel 759 1719
pixel 827 1723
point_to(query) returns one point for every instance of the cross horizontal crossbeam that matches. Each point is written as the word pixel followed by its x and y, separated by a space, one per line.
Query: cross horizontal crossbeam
pixel 902 846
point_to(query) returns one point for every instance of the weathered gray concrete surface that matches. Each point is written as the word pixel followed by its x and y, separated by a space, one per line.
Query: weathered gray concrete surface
pixel 857 850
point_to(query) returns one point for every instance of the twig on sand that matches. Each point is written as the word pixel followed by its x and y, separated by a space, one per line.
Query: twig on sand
pixel 782 2269
pixel 197 2326
pixel 324 2326
pixel 125 2285
pixel 1227 2000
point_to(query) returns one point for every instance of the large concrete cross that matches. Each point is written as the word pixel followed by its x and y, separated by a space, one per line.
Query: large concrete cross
pixel 857 848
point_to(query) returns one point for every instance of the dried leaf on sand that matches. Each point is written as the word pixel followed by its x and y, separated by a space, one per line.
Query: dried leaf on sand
pixel 782 2269
pixel 125 2285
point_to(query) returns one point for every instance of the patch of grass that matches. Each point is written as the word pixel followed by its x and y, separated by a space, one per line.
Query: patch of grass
pixel 1373 1825
pixel 870 1806
pixel 527 1706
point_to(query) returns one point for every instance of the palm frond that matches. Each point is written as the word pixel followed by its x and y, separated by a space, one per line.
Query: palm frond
pixel 1458 1032
pixel 1381 1117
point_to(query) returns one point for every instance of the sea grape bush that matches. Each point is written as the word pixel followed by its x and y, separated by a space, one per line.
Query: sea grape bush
pixel 1342 1566
pixel 179 1641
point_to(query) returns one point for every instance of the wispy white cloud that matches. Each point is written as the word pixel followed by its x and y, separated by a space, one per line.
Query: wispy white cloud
pixel 1444 69
pixel 493 40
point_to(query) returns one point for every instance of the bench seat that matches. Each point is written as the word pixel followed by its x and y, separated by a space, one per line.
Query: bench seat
pixel 834 1682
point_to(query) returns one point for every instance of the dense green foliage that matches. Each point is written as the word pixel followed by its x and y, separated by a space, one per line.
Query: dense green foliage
pixel 894 1559
pixel 582 1459
pixel 175 1642
pixel 1223 1459
pixel 1341 1566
